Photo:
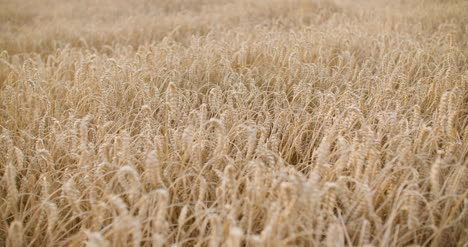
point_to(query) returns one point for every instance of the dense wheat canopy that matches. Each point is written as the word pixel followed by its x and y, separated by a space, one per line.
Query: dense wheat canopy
pixel 233 123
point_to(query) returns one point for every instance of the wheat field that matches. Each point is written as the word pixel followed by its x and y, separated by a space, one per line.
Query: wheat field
pixel 233 123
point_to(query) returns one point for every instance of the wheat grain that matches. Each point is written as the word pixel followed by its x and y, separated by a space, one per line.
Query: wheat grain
pixel 15 234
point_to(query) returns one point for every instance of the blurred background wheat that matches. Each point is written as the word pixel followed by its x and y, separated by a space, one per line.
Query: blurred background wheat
pixel 233 123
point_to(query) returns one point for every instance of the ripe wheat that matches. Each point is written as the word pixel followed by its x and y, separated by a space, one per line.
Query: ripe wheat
pixel 233 123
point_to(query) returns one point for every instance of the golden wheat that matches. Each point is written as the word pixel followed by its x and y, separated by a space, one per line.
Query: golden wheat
pixel 233 123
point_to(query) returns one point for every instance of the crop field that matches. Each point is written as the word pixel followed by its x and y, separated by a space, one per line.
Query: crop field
pixel 233 123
